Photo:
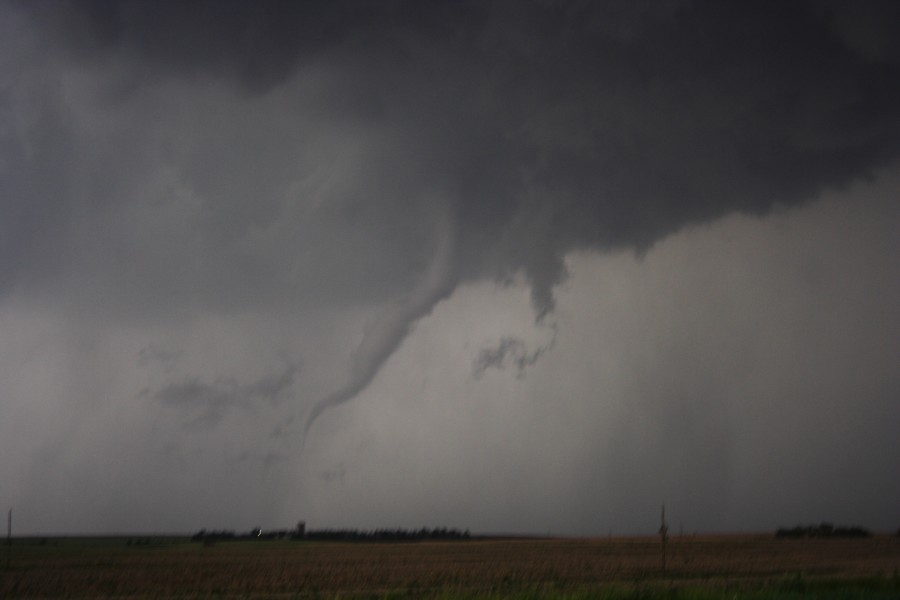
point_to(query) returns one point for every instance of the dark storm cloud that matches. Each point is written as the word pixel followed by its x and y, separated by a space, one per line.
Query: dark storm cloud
pixel 536 128
pixel 555 126
pixel 257 43
pixel 223 184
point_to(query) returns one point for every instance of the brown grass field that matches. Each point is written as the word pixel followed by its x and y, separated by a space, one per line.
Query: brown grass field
pixel 741 566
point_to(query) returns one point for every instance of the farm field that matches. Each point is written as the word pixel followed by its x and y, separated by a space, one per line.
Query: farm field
pixel 696 567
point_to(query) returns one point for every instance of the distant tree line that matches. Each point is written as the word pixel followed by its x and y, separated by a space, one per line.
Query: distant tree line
pixel 823 530
pixel 387 535
pixel 337 535
pixel 223 535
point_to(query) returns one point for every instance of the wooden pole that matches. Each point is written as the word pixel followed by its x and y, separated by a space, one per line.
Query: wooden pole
pixel 8 537
pixel 663 534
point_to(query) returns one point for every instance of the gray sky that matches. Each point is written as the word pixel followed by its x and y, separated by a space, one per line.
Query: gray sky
pixel 504 266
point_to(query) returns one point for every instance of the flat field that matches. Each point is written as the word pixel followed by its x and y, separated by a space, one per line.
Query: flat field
pixel 696 567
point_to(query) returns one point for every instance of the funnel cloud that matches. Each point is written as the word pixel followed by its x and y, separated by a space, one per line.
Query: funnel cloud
pixel 384 334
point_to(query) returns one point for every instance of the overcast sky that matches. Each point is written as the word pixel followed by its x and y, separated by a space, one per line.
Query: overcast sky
pixel 501 266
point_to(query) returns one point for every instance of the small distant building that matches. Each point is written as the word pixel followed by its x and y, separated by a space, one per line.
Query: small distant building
pixel 301 529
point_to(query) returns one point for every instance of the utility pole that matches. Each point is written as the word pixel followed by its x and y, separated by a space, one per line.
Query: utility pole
pixel 664 536
pixel 8 537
